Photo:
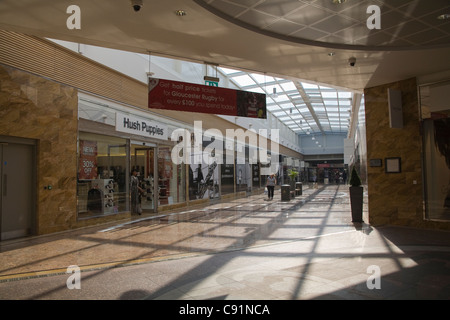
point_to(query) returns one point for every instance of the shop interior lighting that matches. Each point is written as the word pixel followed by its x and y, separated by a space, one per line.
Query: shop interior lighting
pixel 444 16
pixel 180 13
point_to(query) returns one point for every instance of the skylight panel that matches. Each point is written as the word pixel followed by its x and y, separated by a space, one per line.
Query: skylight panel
pixel 244 81
pixel 344 95
pixel 344 102
pixel 309 86
pixel 330 102
pixel 324 108
pixel 269 89
pixel 332 95
pixel 281 98
pixel 261 79
pixel 229 71
pixel 274 108
pixel 288 86
pixel 257 89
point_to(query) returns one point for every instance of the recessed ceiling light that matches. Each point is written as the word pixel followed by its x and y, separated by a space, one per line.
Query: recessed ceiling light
pixel 444 16
pixel 339 1
pixel 180 13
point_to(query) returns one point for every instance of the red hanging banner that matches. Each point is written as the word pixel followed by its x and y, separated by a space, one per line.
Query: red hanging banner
pixel 181 96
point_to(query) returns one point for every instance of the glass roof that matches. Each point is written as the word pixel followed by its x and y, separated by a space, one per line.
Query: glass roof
pixel 306 108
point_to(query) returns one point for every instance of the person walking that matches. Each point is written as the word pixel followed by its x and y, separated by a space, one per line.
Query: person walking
pixel 270 184
pixel 136 191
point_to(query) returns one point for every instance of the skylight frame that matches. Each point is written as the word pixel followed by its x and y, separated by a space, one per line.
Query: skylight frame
pixel 317 108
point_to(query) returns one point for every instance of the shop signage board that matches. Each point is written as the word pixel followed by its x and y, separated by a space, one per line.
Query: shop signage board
pixel 142 127
pixel 182 96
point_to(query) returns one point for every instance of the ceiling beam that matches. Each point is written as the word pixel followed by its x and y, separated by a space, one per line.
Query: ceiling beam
pixel 305 98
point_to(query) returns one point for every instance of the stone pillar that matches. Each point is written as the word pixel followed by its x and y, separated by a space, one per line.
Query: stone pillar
pixel 394 198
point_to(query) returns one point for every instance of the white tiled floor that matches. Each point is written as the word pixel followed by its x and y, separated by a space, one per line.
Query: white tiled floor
pixel 252 250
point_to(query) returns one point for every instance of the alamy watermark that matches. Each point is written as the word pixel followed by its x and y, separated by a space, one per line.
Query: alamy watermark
pixel 74 280
pixel 235 146
pixel 73 22
pixel 374 280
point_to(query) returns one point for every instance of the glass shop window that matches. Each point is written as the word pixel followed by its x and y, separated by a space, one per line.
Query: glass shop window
pixel 171 178
pixel 102 186
pixel 435 114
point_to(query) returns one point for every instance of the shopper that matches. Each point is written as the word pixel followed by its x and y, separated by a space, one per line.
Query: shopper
pixel 271 182
pixel 135 193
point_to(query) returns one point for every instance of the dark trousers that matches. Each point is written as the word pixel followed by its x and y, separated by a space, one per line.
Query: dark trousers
pixel 270 190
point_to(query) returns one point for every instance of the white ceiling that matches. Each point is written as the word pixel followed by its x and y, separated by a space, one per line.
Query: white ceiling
pixel 287 38
pixel 403 24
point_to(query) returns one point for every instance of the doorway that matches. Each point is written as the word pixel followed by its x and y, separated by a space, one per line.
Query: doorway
pixel 17 185
pixel 143 160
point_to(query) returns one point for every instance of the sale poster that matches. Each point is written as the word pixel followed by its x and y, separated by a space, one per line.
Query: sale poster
pixel 181 96
pixel 87 168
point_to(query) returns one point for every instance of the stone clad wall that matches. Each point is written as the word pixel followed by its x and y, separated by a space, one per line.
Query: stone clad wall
pixel 395 198
pixel 36 108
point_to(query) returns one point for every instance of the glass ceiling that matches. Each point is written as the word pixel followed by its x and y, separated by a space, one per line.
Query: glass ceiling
pixel 304 107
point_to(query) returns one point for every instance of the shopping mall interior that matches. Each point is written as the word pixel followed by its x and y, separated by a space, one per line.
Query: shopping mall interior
pixel 140 123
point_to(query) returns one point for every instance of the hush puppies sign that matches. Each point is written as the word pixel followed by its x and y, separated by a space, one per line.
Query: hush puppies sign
pixel 181 96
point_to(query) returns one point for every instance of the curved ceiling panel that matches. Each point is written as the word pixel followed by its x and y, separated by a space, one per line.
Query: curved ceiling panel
pixel 351 24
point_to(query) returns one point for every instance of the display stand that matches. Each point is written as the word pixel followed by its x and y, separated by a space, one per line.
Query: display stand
pixel 107 188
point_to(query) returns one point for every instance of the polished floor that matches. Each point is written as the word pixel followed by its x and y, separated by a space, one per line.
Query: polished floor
pixel 247 248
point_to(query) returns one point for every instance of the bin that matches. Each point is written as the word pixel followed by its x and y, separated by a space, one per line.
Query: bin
pixel 299 188
pixel 285 192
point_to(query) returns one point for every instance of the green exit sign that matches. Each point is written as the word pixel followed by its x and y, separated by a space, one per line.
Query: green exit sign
pixel 211 83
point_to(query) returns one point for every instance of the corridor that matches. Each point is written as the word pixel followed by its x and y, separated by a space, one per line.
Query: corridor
pixel 247 248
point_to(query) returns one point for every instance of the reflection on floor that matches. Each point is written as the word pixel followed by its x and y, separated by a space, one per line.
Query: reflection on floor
pixel 247 248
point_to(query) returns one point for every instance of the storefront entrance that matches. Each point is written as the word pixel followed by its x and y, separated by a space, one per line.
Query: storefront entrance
pixel 143 160
pixel 17 185
pixel 435 112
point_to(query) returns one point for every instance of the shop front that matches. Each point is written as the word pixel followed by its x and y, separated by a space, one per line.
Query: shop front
pixel 114 145
pixel 435 125
pixel 116 142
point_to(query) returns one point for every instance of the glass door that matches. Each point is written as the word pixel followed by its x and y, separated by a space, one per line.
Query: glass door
pixel 436 135
pixel 114 180
pixel 143 161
